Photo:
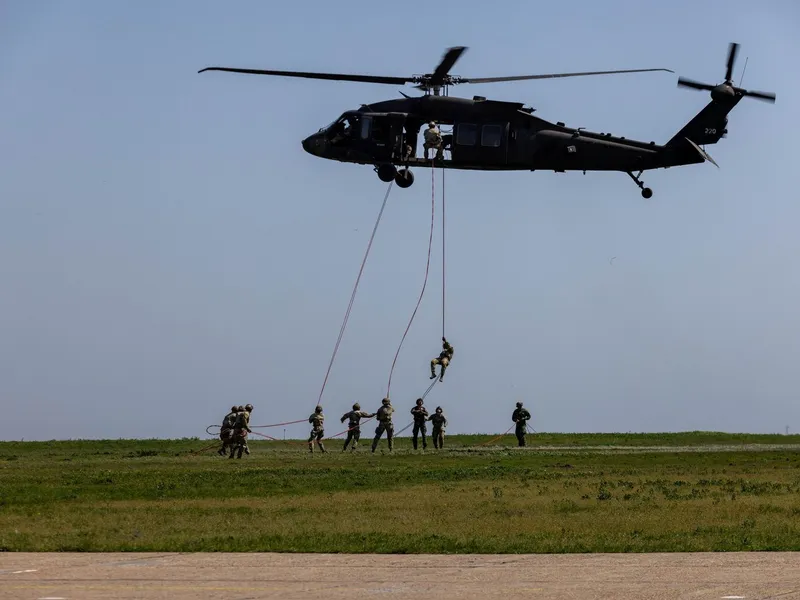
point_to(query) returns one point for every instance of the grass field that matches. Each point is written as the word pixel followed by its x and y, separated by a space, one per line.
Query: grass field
pixel 564 493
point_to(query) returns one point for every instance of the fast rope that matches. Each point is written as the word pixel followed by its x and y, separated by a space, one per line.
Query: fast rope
pixel 443 247
pixel 259 426
pixel 353 296
pixel 424 283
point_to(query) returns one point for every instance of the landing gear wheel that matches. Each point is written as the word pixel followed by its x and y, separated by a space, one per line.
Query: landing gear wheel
pixel 646 191
pixel 404 178
pixel 386 173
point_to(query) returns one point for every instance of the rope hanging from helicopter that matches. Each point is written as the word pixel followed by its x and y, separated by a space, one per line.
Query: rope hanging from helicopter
pixel 353 295
pixel 425 281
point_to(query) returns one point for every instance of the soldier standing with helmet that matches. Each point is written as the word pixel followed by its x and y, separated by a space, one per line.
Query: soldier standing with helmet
pixel 520 416
pixel 227 429
pixel 354 425
pixel 384 415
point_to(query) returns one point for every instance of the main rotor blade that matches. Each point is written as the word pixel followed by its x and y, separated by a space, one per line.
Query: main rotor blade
pixel 329 76
pixel 732 51
pixel 694 84
pixel 448 60
pixel 552 75
pixel 767 96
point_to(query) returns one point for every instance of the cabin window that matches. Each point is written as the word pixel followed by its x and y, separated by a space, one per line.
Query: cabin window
pixel 491 136
pixel 366 124
pixel 467 134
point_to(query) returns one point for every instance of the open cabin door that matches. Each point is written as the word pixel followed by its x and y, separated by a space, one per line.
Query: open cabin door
pixel 480 143
pixel 382 134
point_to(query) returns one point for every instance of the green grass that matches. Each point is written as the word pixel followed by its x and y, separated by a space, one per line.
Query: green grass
pixel 565 493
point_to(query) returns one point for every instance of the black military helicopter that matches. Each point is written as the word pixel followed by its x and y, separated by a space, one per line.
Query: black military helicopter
pixel 496 135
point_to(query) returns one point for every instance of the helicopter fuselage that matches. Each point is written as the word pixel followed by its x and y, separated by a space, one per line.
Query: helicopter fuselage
pixel 486 135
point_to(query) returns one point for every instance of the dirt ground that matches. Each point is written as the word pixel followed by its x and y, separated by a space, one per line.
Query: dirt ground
pixel 717 576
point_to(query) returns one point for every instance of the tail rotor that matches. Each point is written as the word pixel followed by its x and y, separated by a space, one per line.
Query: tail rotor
pixel 727 90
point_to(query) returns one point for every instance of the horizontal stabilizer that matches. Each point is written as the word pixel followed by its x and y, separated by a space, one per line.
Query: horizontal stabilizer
pixel 703 153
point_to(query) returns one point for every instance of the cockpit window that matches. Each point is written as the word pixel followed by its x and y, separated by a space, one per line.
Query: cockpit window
pixel 366 123
pixel 345 126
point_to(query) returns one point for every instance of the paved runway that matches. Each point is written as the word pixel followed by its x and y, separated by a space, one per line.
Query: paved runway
pixel 713 576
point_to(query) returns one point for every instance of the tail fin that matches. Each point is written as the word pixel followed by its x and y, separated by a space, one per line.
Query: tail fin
pixel 708 126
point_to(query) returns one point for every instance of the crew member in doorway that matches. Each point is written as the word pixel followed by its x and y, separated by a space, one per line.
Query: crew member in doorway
pixel 445 356
pixel 433 139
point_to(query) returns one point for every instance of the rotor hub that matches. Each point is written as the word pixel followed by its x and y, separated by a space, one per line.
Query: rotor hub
pixel 723 91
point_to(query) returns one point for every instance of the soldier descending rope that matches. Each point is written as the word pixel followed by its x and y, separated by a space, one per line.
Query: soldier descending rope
pixel 445 356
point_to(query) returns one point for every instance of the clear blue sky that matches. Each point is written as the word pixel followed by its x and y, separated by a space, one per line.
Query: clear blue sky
pixel 167 248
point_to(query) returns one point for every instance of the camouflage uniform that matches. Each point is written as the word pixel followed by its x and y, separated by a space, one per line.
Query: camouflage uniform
pixel 240 430
pixel 520 417
pixel 384 415
pixel 439 424
pixel 445 356
pixel 420 414
pixel 317 421
pixel 354 425
pixel 227 429
pixel 433 140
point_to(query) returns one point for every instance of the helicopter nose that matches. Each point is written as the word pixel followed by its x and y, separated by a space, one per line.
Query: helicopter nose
pixel 314 144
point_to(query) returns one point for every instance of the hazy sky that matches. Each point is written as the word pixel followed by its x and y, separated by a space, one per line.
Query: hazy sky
pixel 168 249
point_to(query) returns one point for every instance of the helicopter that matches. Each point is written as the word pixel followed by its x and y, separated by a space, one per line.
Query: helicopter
pixel 493 135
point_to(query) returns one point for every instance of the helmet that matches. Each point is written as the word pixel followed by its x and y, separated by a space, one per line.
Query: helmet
pixel 234 408
pixel 419 401
pixel 249 408
pixel 318 409
pixel 432 124
pixel 385 401
pixel 356 406
pixel 519 404
pixel 438 409
pixel 240 408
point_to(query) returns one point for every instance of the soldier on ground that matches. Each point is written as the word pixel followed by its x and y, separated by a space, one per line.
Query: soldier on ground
pixel 317 421
pixel 227 429
pixel 520 417
pixel 354 425
pixel 420 414
pixel 445 356
pixel 439 424
pixel 384 415
pixel 241 428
